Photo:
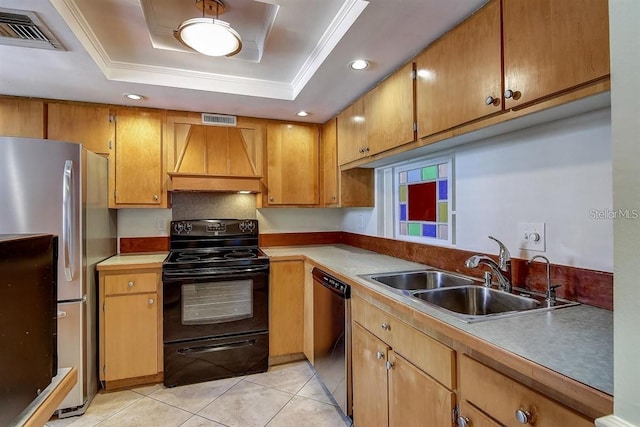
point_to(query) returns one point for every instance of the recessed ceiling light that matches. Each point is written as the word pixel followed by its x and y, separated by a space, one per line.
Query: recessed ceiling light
pixel 303 114
pixel 134 96
pixel 359 64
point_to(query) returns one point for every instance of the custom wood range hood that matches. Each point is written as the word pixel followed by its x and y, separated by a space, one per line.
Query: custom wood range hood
pixel 215 158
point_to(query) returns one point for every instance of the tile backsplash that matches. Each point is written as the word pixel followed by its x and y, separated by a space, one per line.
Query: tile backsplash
pixel 188 205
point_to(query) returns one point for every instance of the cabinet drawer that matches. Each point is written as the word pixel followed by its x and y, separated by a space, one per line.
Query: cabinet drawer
pixel 377 321
pixel 500 397
pixel 130 283
pixel 431 356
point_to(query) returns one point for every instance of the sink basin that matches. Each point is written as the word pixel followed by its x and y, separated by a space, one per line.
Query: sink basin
pixel 475 303
pixel 420 280
pixel 477 300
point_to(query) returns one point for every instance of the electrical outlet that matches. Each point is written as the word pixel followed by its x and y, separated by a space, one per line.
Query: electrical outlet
pixel 532 236
pixel 361 222
pixel 161 224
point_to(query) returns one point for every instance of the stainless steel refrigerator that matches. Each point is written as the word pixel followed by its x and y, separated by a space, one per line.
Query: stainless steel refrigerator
pixel 60 188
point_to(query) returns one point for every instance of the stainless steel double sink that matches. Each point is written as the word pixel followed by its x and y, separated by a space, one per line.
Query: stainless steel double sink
pixel 463 297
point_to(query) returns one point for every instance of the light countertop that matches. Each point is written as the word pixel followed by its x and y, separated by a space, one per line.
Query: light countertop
pixel 129 261
pixel 576 342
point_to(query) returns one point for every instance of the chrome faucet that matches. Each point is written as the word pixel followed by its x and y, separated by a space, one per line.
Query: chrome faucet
pixel 502 269
pixel 551 289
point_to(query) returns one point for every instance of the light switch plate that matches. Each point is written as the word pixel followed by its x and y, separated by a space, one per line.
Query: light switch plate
pixel 532 236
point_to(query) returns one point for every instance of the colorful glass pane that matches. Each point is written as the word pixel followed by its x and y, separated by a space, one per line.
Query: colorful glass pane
pixel 428 230
pixel 414 175
pixel 414 229
pixel 443 212
pixel 429 173
pixel 403 212
pixel 443 232
pixel 442 190
pixel 422 202
pixel 442 170
pixel 403 193
pixel 403 177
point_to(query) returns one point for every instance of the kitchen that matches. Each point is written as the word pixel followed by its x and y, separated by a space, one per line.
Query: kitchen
pixel 586 240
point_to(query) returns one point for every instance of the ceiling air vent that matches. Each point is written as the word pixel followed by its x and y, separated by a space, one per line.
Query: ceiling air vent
pixel 24 28
pixel 219 120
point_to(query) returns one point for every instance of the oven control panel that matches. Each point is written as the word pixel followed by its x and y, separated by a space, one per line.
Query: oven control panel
pixel 215 227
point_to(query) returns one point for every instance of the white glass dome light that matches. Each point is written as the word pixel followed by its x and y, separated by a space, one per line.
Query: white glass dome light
pixel 209 36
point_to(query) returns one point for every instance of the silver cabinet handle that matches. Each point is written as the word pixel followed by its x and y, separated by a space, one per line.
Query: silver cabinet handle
pixel 130 284
pixel 380 355
pixel 361 150
pixel 67 220
pixel 385 327
pixel 463 422
pixel 61 314
pixel 508 93
pixel 155 197
pixel 491 100
pixel 151 301
pixel 388 365
pixel 523 416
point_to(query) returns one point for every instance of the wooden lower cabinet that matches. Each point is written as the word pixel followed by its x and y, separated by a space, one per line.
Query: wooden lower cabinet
pixel 473 417
pixel 286 304
pixel 501 398
pixel 389 389
pixel 130 327
pixel 370 397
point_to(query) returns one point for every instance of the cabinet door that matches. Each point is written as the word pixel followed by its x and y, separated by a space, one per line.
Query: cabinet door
pixel 551 46
pixel 459 72
pixel 138 159
pixel 329 144
pixel 370 403
pixel 22 118
pixel 292 164
pixel 416 399
pixel 286 298
pixel 90 126
pixel 352 133
pixel 389 111
pixel 130 336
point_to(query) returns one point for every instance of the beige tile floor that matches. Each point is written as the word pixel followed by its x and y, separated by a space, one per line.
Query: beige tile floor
pixel 286 395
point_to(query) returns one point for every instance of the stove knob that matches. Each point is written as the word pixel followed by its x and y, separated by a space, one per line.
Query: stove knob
pixel 188 227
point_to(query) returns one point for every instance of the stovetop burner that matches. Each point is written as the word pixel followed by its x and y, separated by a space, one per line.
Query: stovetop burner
pixel 210 244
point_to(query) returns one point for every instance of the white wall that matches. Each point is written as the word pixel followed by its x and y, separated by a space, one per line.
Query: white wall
pixel 292 220
pixel 625 119
pixel 555 173
pixel 143 222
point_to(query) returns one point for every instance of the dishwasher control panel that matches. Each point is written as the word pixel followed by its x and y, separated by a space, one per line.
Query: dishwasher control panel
pixel 332 283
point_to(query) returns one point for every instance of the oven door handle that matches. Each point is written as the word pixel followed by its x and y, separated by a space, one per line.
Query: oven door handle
pixel 216 347
pixel 212 273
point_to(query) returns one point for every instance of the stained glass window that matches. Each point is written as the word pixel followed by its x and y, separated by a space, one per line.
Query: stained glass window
pixel 423 200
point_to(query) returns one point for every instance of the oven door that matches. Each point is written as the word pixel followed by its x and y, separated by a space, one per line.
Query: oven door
pixel 201 304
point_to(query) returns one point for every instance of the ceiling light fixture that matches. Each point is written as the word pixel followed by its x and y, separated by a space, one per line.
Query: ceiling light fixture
pixel 359 64
pixel 134 96
pixel 303 114
pixel 209 36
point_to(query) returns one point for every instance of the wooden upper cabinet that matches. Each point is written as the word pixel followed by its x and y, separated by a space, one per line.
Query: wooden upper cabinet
pixel 139 159
pixel 22 118
pixel 87 125
pixel 352 133
pixel 389 111
pixel 292 164
pixel 459 75
pixel 552 46
pixel 329 147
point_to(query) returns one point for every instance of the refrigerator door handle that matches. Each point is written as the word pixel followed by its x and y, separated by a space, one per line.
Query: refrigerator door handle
pixel 67 220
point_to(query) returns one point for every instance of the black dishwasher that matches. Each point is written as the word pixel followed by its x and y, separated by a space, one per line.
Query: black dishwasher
pixel 332 336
